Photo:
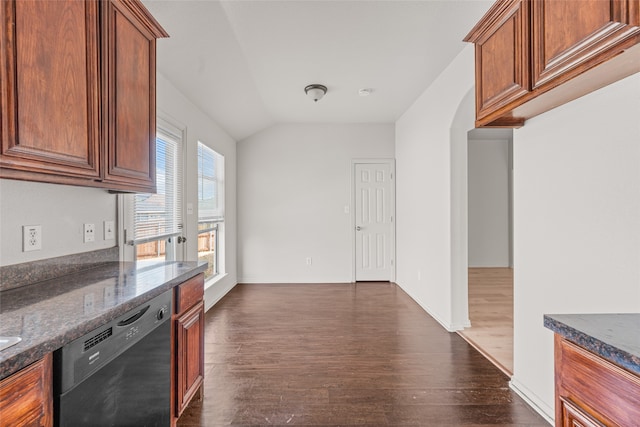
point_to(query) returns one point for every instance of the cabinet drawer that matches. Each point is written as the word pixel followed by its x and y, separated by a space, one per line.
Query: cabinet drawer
pixel 189 293
pixel 606 392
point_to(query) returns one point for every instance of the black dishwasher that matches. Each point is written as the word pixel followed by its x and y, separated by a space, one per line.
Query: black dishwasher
pixel 118 375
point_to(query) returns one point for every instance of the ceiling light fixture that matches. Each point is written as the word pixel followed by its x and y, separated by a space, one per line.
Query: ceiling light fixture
pixel 315 91
pixel 365 91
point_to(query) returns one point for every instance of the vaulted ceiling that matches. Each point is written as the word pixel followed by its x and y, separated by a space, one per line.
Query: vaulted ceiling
pixel 246 63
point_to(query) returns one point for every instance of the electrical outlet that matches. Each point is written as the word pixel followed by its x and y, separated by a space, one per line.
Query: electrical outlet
pixel 89 233
pixel 31 238
pixel 109 230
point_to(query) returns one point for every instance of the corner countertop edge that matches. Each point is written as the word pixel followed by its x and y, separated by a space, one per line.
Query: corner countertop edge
pixel 614 337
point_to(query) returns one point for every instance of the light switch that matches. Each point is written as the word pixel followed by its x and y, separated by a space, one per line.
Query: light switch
pixel 109 230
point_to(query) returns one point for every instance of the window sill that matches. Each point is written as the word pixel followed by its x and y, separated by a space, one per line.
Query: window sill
pixel 215 279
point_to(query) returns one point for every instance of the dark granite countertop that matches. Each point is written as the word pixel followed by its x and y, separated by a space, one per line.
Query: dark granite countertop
pixel 50 314
pixel 614 337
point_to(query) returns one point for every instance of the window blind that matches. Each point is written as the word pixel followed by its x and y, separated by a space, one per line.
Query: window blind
pixel 210 185
pixel 159 216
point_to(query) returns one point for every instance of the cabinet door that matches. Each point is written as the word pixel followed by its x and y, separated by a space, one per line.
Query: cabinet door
pixel 502 57
pixel 189 355
pixel 573 416
pixel 26 396
pixel 129 70
pixel 50 89
pixel 569 34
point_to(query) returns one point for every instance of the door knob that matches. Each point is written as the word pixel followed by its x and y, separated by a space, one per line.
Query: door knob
pixel 358 228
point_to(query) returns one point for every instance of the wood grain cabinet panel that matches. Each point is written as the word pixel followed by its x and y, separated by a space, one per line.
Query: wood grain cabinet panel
pixel 190 360
pixel 78 93
pixel 535 55
pixel 591 391
pixel 50 87
pixel 567 34
pixel 26 397
pixel 189 293
pixel 188 352
pixel 129 67
pixel 573 416
pixel 502 56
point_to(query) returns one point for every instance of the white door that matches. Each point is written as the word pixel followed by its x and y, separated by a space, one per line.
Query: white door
pixel 373 187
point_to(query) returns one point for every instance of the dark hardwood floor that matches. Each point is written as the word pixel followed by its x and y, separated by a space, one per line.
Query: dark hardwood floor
pixel 344 354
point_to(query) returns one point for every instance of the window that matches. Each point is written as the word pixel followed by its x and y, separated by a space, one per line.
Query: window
pixel 210 207
pixel 157 218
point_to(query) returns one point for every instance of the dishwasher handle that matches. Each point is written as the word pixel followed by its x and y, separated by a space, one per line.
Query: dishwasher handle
pixel 133 318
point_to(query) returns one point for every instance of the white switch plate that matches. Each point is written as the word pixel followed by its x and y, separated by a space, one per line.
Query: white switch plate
pixel 109 296
pixel 31 238
pixel 89 233
pixel 89 303
pixel 109 231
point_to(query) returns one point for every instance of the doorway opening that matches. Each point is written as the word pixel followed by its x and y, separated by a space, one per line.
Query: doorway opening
pixel 490 245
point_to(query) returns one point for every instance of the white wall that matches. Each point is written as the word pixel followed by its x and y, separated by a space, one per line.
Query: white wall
pixel 576 222
pixel 61 210
pixel 488 175
pixel 172 105
pixel 294 182
pixel 431 193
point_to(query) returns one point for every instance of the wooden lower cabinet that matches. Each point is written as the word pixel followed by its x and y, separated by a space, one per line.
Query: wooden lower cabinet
pixel 26 397
pixel 591 391
pixel 188 358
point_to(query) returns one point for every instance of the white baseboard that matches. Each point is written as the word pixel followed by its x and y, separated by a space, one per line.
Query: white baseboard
pixel 532 400
pixel 448 326
pixel 214 292
pixel 291 280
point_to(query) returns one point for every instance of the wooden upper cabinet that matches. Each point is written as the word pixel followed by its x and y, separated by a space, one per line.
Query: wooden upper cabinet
pixel 535 55
pixel 78 92
pixel 502 56
pixel 569 34
pixel 129 67
pixel 50 87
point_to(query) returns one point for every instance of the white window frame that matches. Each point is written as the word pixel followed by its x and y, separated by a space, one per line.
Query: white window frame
pixel 217 220
pixel 125 201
